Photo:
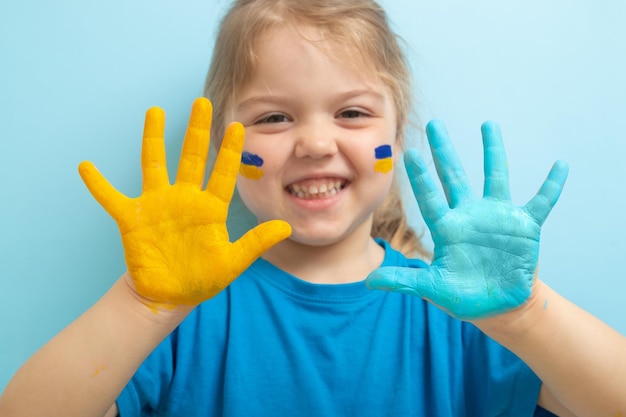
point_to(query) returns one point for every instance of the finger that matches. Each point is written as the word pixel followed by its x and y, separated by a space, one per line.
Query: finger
pixel 109 198
pixel 412 281
pixel 196 145
pixel 449 168
pixel 540 205
pixel 224 175
pixel 258 240
pixel 153 164
pixel 496 167
pixel 430 201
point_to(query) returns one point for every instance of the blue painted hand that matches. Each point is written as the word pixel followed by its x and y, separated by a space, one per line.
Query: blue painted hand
pixel 486 249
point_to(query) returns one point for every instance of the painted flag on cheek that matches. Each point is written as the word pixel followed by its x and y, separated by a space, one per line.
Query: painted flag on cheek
pixel 383 163
pixel 251 166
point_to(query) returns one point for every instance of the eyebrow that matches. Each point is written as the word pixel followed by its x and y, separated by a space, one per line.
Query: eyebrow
pixel 360 93
pixel 268 99
pixel 271 99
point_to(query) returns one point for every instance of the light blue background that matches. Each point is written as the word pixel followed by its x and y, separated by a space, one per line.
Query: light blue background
pixel 77 76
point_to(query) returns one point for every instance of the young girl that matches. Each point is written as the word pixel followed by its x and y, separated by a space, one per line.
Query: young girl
pixel 281 322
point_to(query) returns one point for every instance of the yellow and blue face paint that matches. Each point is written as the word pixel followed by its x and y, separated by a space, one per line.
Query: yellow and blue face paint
pixel 384 162
pixel 251 166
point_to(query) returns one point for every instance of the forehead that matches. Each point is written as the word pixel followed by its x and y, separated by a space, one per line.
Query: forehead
pixel 337 46
pixel 304 64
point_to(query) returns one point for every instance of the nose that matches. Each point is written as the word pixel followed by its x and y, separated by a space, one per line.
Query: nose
pixel 316 140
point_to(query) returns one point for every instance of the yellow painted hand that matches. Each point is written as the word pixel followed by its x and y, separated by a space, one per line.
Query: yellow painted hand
pixel 175 239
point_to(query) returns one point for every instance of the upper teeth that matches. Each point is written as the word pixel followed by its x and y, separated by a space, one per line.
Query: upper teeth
pixel 325 189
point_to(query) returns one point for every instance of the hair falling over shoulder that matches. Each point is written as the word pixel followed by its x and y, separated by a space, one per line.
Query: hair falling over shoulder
pixel 359 28
pixel 390 224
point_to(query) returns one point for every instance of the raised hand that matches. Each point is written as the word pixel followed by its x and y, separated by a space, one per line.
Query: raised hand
pixel 486 249
pixel 175 239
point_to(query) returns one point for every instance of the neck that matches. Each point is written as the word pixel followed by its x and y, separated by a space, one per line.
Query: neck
pixel 345 261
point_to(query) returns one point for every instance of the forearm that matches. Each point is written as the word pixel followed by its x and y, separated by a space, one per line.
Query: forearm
pixel 83 369
pixel 580 360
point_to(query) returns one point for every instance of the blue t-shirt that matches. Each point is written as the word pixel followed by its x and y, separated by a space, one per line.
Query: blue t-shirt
pixel 273 345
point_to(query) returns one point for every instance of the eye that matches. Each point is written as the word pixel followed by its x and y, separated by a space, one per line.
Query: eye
pixel 351 114
pixel 272 118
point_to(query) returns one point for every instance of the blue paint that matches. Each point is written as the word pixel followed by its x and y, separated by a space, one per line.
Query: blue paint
pixel 486 249
pixel 383 152
pixel 248 158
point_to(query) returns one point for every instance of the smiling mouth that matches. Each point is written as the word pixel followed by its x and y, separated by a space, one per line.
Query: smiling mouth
pixel 317 189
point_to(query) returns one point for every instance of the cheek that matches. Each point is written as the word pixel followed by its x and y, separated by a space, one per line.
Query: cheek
pixel 251 166
pixel 252 195
pixel 255 184
pixel 250 181
pixel 383 159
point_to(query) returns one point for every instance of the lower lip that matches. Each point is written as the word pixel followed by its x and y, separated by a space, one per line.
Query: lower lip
pixel 316 204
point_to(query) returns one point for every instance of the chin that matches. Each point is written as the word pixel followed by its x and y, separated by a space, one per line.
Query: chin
pixel 321 237
pixel 314 240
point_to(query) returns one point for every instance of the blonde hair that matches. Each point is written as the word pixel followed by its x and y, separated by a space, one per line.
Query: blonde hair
pixel 361 24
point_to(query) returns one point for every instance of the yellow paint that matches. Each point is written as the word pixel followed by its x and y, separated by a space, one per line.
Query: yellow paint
pixel 383 165
pixel 175 239
pixel 99 368
pixel 156 308
pixel 250 171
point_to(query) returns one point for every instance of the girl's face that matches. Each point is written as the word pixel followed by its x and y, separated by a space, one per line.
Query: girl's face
pixel 320 141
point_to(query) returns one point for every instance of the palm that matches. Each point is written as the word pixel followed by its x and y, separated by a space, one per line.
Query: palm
pixel 485 261
pixel 175 239
pixel 486 249
pixel 162 245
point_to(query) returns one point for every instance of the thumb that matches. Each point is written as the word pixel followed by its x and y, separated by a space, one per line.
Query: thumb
pixel 258 240
pixel 109 198
pixel 418 282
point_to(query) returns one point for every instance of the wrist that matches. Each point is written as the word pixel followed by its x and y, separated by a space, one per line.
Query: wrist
pixel 517 323
pixel 168 315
